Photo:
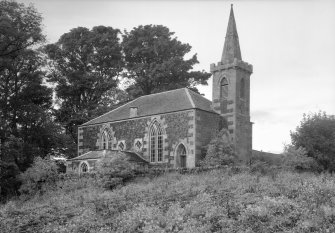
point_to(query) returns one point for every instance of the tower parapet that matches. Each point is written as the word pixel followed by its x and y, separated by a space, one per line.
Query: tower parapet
pixel 235 64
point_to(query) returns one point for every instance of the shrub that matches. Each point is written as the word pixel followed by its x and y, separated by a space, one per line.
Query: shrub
pixel 114 171
pixel 220 151
pixel 297 159
pixel 316 134
pixel 42 174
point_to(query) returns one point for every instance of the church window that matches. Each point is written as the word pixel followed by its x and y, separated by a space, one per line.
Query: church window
pixel 224 88
pixel 83 167
pixel 106 140
pixel 159 145
pixel 156 143
pixel 242 89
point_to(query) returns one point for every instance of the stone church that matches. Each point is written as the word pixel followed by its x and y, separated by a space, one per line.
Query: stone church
pixel 173 127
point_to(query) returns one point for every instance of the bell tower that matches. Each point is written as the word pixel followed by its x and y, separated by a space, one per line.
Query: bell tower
pixel 231 91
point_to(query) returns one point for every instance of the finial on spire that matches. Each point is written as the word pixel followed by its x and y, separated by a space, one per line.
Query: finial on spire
pixel 231 49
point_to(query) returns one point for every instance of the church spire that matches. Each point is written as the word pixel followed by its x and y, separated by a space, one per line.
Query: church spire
pixel 231 47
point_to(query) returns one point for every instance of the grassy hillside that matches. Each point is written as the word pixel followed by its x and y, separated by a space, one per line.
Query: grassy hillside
pixel 215 201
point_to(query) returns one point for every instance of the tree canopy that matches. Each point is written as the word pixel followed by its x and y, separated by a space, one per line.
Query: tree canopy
pixel 25 102
pixel 155 61
pixel 85 65
pixel 20 28
pixel 316 133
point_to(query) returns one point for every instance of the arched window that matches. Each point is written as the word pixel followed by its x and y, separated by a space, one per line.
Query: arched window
pixel 156 143
pixel 242 89
pixel 83 167
pixel 106 140
pixel 224 88
pixel 181 155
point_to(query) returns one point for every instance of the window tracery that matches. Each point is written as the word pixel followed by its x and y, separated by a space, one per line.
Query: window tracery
pixel 156 143
pixel 83 167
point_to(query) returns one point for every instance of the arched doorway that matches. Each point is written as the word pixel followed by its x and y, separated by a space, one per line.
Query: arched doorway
pixel 181 156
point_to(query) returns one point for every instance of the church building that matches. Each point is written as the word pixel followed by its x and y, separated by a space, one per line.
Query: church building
pixel 172 128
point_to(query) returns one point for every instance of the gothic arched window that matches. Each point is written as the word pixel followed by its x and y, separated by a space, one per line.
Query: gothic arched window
pixel 242 89
pixel 224 88
pixel 106 140
pixel 156 143
pixel 83 167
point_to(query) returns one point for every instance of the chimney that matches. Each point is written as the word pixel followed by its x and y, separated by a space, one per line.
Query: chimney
pixel 133 112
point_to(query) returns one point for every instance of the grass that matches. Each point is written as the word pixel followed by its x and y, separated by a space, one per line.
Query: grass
pixel 214 201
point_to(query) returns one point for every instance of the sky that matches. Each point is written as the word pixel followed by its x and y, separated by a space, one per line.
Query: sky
pixel 291 45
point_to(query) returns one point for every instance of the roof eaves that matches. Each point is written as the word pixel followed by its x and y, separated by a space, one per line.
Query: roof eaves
pixel 127 118
pixel 87 123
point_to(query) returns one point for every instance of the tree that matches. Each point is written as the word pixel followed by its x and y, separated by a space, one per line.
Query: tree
pixel 155 61
pixel 20 28
pixel 316 133
pixel 24 101
pixel 85 65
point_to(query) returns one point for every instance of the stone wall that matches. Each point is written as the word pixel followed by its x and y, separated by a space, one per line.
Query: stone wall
pixel 207 124
pixel 178 128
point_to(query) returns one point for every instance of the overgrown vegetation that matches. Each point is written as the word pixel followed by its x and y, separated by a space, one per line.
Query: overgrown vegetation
pixel 220 151
pixel 216 201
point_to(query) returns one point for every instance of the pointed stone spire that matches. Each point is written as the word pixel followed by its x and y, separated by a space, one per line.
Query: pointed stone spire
pixel 231 47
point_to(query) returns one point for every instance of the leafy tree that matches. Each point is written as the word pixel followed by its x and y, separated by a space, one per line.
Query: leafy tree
pixel 220 150
pixel 155 61
pixel 19 30
pixel 26 128
pixel 85 65
pixel 316 133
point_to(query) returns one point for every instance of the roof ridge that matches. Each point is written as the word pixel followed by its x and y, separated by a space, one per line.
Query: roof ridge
pixel 189 97
pixel 162 92
pixel 80 155
pixel 199 95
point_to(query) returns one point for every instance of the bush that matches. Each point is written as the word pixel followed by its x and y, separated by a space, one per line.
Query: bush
pixel 316 134
pixel 114 171
pixel 297 159
pixel 220 151
pixel 9 182
pixel 41 175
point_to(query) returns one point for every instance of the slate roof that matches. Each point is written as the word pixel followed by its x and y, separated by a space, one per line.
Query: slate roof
pixel 168 101
pixel 98 154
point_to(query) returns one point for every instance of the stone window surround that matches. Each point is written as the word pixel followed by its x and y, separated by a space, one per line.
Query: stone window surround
pixel 124 144
pixel 224 83
pixel 158 130
pixel 106 130
pixel 161 122
pixel 135 142
pixel 81 164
